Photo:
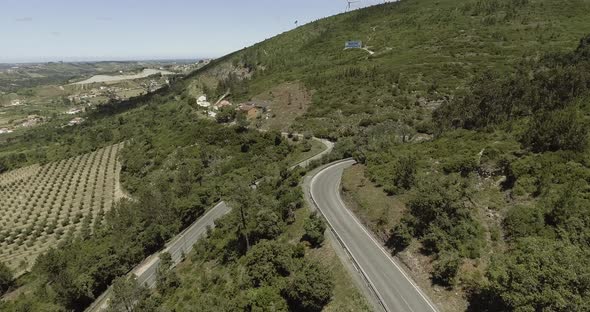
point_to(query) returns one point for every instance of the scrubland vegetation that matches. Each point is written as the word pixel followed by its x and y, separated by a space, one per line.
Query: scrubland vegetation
pixel 471 117
pixel 497 200
pixel 175 165
pixel 425 52
pixel 499 92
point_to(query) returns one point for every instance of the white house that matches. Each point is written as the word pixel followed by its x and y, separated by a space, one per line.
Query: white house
pixel 74 111
pixel 202 101
pixel 76 121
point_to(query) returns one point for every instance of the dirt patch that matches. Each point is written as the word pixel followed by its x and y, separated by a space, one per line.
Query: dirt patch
pixel 288 101
pixel 120 192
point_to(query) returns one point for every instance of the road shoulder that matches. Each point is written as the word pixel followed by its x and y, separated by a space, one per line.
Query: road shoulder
pixel 341 252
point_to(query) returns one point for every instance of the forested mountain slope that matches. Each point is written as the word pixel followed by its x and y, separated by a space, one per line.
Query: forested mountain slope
pixel 424 52
pixel 499 90
pixel 474 113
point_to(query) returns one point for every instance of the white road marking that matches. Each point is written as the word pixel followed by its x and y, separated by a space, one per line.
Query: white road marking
pixel 371 237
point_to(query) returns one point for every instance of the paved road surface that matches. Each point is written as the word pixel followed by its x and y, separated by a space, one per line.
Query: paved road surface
pixel 393 287
pixel 181 245
pixel 329 147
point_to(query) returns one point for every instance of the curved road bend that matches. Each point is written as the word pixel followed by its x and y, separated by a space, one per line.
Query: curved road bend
pixel 393 287
pixel 182 244
pixel 329 147
pixel 304 163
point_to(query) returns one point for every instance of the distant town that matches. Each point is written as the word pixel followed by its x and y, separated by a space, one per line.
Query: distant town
pixel 34 102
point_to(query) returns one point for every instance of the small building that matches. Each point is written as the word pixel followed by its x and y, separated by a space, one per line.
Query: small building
pixel 202 101
pixel 76 121
pixel 5 130
pixel 251 111
pixel 74 111
pixel 222 104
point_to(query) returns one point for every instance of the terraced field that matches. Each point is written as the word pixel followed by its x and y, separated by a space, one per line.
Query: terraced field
pixel 41 206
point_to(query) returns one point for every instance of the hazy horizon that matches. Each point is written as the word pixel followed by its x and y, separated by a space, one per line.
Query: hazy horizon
pixel 114 59
pixel 36 31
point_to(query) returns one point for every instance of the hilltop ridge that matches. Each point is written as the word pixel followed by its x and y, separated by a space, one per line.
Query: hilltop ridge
pixel 470 125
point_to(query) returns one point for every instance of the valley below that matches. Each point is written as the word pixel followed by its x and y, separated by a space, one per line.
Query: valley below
pixel 438 163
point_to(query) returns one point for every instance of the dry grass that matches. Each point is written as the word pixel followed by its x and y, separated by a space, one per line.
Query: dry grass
pixel 380 213
pixel 41 206
pixel 288 101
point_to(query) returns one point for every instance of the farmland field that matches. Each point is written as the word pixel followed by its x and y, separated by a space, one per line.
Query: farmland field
pixel 41 206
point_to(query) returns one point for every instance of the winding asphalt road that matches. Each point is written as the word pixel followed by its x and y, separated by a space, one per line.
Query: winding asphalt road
pixel 394 288
pixel 182 244
pixel 329 147
pixel 305 163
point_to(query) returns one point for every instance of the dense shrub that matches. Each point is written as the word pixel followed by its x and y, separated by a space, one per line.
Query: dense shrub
pixel 166 278
pixel 314 230
pixel 540 87
pixel 539 274
pixel 561 130
pixel 524 221
pixel 267 261
pixel 440 218
pixel 445 268
pixel 310 288
pixel 266 299
pixel 268 225
pixel 404 173
pixel 6 278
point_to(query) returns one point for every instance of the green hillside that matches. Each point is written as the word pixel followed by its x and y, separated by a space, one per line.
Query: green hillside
pixel 424 51
pixel 469 118
pixel 488 202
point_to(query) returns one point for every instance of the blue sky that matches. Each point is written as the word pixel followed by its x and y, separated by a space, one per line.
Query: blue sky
pixel 70 30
